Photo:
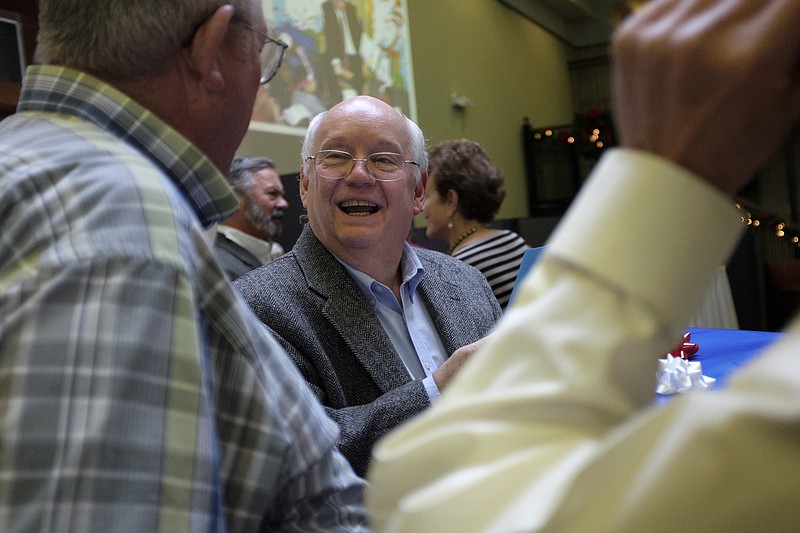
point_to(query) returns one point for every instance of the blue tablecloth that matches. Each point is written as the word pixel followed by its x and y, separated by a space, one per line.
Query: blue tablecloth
pixel 722 351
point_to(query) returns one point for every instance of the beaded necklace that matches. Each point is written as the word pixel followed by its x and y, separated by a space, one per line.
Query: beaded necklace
pixel 461 239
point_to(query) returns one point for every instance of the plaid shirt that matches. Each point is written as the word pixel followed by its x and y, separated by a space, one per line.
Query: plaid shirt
pixel 137 392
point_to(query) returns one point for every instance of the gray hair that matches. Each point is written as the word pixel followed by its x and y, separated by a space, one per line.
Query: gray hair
pixel 415 135
pixel 121 39
pixel 240 177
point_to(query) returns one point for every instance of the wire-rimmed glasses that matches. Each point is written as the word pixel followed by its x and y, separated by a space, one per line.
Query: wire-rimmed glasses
pixel 272 49
pixel 271 52
pixel 381 166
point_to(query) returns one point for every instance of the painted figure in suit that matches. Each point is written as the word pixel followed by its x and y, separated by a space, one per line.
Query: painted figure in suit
pixel 370 322
pixel 343 32
pixel 246 240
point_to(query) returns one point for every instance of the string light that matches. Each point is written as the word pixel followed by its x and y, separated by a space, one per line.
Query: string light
pixel 592 141
pixel 760 220
pixel 583 135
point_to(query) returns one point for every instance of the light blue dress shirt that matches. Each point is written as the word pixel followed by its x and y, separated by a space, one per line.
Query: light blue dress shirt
pixel 408 323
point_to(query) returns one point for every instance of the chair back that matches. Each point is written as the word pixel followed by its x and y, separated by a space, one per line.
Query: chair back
pixel 528 259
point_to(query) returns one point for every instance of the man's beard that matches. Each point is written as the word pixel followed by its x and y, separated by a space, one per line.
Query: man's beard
pixel 272 226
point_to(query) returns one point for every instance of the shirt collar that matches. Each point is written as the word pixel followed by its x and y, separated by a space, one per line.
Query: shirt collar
pixel 64 90
pixel 258 247
pixel 411 270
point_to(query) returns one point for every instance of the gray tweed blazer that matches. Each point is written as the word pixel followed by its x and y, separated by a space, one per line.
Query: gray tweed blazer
pixel 314 309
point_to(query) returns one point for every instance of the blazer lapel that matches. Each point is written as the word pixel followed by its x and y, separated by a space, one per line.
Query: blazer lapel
pixel 444 302
pixel 350 314
pixel 240 253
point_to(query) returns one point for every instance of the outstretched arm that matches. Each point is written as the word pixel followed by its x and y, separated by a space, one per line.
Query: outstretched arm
pixel 551 424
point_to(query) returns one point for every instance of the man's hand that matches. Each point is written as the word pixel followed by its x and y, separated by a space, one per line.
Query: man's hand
pixel 710 84
pixel 450 368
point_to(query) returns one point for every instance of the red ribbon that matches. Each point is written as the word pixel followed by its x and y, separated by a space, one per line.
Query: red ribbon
pixel 685 350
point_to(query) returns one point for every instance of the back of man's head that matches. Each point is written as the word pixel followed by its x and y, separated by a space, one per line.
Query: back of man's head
pixel 120 39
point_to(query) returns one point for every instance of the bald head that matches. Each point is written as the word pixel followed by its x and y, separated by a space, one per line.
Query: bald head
pixel 366 110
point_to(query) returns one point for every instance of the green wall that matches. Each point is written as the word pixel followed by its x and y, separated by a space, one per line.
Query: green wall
pixel 505 64
pixel 508 66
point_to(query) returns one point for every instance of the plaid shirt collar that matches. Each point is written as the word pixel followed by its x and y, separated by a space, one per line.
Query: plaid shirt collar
pixel 63 90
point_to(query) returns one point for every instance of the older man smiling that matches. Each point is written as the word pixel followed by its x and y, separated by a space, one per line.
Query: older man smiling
pixel 370 322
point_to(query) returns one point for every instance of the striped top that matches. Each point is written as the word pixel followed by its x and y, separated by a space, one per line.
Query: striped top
pixel 498 258
pixel 137 391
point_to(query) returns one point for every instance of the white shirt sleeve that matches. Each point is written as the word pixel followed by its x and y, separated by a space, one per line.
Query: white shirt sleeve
pixel 551 426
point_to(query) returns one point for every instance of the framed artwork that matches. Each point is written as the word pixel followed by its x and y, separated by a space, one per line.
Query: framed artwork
pixel 337 49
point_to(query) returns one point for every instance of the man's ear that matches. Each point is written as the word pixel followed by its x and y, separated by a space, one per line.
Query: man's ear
pixel 207 47
pixel 242 200
pixel 419 192
pixel 303 185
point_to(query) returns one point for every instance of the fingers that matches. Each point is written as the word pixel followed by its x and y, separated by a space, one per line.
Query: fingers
pixel 694 78
pixel 453 364
pixel 654 14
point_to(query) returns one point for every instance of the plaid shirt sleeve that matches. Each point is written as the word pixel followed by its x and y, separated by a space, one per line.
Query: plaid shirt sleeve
pixel 137 392
pixel 109 425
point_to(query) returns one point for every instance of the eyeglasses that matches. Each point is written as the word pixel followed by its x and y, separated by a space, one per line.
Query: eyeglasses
pixel 381 166
pixel 271 52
